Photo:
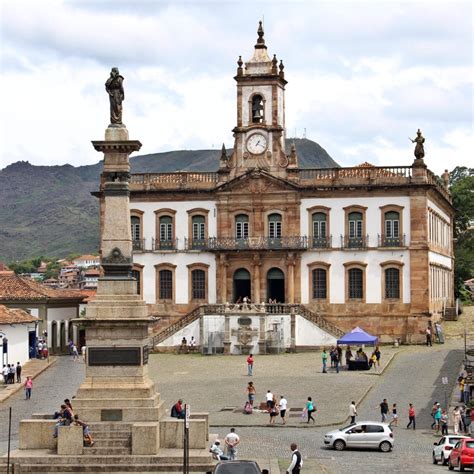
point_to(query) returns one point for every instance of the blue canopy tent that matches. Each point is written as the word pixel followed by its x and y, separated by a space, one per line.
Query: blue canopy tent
pixel 357 337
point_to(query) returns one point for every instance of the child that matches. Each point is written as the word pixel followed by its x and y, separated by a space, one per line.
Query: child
pixel 373 361
pixel 85 430
pixel 394 420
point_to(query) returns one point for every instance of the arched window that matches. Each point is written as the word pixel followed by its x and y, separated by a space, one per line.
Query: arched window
pixel 242 226
pixel 257 109
pixel 355 284
pixel 319 225
pixel 319 283
pixel 198 285
pixel 165 284
pixel 274 226
pixel 392 283
pixel 355 225
pixel 199 232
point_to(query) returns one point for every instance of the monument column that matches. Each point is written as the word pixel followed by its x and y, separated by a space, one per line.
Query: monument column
pixel 116 321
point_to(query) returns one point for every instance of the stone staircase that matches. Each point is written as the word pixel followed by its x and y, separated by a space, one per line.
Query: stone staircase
pixel 450 314
pixel 195 314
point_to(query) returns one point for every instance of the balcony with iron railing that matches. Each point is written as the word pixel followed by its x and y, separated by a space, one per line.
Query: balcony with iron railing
pixel 249 243
pixel 164 245
pixel 138 245
pixel 320 242
pixel 388 242
pixel 350 242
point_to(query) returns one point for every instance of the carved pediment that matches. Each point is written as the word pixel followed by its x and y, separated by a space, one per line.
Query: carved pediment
pixel 257 181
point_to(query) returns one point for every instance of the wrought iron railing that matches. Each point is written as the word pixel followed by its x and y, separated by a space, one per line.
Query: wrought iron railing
pixel 384 241
pixel 164 244
pixel 259 243
pixel 138 245
pixel 348 242
pixel 321 242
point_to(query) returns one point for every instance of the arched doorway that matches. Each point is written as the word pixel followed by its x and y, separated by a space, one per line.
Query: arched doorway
pixel 275 285
pixel 242 285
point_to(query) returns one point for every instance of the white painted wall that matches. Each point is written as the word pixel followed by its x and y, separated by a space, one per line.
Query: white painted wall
pixel 308 334
pixel 434 257
pixel 181 218
pixel 181 260
pixel 17 335
pixel 373 215
pixel 337 258
pixel 187 332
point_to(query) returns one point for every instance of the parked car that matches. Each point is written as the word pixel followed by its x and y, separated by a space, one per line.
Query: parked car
pixel 462 455
pixel 238 467
pixel 442 449
pixel 363 434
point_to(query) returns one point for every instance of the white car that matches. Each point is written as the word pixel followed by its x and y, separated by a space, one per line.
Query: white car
pixel 442 449
pixel 363 434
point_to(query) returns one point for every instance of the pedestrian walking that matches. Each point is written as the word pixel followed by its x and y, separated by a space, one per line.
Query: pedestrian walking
pixel 437 419
pixel 336 361
pixel 456 419
pixel 466 421
pixel 384 410
pixel 18 372
pixel 75 353
pixel 428 336
pixel 231 442
pixel 251 392
pixel 250 365
pixel 378 355
pixel 83 352
pixel 434 409
pixel 310 410
pixel 444 423
pixel 296 460
pixel 439 333
pixel 273 411
pixel 394 420
pixel 28 388
pixel 40 349
pixel 282 405
pixel 69 346
pixel 411 416
pixel 467 392
pixel 352 412
pixel 324 358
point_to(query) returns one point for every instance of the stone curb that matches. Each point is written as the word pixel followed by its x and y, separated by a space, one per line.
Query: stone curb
pixel 6 393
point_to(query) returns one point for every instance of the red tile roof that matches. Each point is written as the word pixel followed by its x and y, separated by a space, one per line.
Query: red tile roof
pixel 15 316
pixel 14 287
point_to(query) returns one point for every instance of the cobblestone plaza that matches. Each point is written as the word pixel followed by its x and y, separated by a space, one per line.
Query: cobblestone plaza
pixel 213 383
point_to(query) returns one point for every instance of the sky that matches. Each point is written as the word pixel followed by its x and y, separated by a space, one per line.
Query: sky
pixel 362 76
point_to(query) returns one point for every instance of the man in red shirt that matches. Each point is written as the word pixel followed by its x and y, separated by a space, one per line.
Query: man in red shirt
pixel 250 365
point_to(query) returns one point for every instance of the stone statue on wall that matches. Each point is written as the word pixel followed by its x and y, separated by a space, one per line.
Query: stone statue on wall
pixel 114 87
pixel 419 149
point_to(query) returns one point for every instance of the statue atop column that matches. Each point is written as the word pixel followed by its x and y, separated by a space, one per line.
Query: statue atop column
pixel 419 149
pixel 114 87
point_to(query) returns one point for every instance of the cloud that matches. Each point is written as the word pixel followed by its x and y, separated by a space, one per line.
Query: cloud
pixel 362 76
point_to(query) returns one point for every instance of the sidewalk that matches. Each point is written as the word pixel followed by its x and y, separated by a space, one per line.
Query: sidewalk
pixel 32 368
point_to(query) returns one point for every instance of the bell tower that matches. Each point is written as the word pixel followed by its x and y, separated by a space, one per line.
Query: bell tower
pixel 260 131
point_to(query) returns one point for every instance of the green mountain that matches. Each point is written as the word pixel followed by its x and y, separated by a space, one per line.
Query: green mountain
pixel 49 210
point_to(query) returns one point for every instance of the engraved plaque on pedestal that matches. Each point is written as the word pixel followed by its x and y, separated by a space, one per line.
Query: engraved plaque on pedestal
pixel 111 415
pixel 98 356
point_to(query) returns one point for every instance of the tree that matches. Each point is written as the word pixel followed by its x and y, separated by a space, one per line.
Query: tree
pixel 462 190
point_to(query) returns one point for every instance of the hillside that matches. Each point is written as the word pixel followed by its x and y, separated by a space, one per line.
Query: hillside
pixel 48 210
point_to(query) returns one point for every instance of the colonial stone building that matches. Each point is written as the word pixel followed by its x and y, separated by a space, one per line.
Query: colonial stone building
pixel 363 246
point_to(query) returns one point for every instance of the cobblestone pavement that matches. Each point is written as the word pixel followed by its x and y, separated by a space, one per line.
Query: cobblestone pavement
pixel 50 388
pixel 222 380
pixel 210 383
pixel 414 376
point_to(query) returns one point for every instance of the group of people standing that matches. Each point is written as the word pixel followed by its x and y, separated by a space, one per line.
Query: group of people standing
pixel 231 441
pixel 9 371
pixel 335 355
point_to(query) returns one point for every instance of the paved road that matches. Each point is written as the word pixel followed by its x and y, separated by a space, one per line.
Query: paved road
pixel 49 390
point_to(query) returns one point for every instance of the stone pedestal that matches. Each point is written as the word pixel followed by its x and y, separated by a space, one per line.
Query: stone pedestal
pixel 70 440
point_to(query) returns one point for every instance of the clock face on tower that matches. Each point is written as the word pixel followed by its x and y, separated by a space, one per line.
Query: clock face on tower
pixel 256 144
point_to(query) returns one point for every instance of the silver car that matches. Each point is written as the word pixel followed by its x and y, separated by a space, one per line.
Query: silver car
pixel 442 449
pixel 363 434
